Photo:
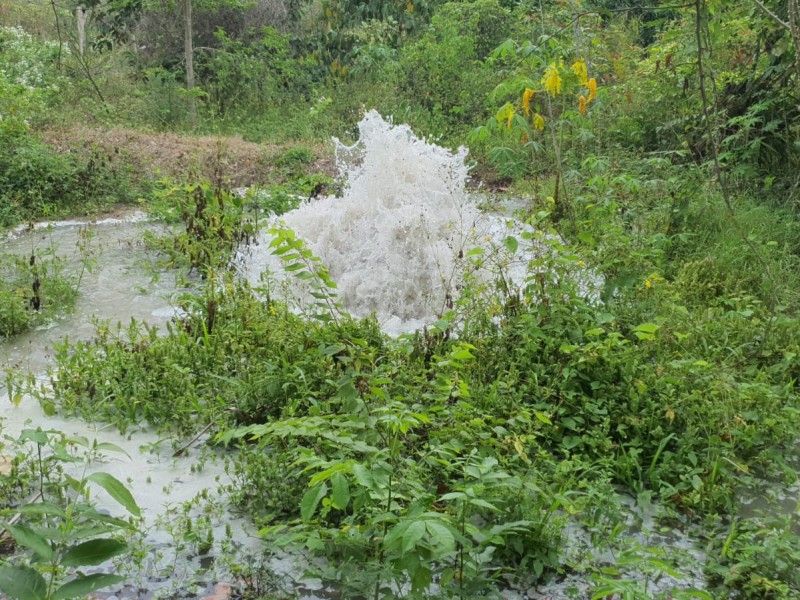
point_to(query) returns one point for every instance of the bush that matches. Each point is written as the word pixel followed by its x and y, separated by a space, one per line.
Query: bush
pixel 251 73
pixel 32 290
pixel 444 72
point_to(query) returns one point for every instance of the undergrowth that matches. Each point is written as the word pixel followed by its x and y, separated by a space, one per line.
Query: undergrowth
pixel 446 461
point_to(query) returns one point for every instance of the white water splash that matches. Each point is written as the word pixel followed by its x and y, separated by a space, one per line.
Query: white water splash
pixel 396 242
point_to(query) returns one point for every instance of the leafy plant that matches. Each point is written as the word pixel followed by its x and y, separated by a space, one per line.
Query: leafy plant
pixel 61 527
pixel 215 223
pixel 33 290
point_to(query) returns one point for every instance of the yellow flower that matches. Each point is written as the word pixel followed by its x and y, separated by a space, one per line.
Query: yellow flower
pixel 581 70
pixel 648 283
pixel 505 114
pixel 523 139
pixel 552 80
pixel 582 102
pixel 592 85
pixel 510 118
pixel 538 121
pixel 526 100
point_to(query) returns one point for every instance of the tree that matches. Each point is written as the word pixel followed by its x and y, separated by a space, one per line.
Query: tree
pixel 792 25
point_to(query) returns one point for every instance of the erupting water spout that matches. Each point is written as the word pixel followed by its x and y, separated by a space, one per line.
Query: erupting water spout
pixel 395 242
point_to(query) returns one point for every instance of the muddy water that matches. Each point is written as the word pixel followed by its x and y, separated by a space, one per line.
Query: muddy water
pixel 168 489
pixel 116 282
pixel 120 286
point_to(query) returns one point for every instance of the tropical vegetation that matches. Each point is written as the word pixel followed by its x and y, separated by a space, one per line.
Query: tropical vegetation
pixel 501 447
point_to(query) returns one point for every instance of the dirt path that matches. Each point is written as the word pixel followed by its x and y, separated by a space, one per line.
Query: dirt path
pixel 153 155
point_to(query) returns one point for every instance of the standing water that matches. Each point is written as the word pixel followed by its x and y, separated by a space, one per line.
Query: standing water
pixel 116 284
pixel 397 244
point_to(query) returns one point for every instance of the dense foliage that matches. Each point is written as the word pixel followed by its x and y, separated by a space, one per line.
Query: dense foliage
pixel 657 147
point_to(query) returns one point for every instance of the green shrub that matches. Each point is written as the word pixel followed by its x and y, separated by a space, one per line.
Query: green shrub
pixel 444 71
pixel 32 291
pixel 250 73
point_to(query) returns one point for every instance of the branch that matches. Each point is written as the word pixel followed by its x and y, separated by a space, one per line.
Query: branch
pixel 603 12
pixel 711 136
pixel 772 15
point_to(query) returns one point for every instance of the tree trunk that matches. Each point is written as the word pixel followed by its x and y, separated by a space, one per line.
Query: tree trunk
pixel 80 17
pixel 188 51
pixel 794 29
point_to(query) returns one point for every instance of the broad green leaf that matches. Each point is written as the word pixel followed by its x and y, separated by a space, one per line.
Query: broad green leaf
pixel 664 567
pixel 108 446
pixel 393 537
pixel 511 244
pixel 412 535
pixel 117 491
pixel 93 552
pixel 83 586
pixel 22 583
pixel 34 435
pixel 82 533
pixel 483 504
pixel 328 473
pixel 442 537
pixel 452 496
pixel 693 593
pixel 647 328
pixel 363 475
pixel 41 508
pixel 28 538
pixel 311 499
pixel 341 491
pixel 462 354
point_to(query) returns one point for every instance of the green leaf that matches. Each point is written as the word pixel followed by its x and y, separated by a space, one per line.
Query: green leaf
pixel 22 583
pixel 341 491
pixel 41 508
pixel 483 504
pixel 647 328
pixel 111 448
pixel 83 586
pixel 412 535
pixel 117 491
pixel 28 538
pixel 38 436
pixel 311 499
pixel 363 475
pixel 93 552
pixel 694 593
pixel 443 538
pixel 511 244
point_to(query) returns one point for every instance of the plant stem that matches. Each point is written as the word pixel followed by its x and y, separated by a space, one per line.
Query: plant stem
pixel 717 169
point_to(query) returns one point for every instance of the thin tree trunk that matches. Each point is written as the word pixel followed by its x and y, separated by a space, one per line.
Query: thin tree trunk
pixel 188 50
pixel 80 17
pixel 794 29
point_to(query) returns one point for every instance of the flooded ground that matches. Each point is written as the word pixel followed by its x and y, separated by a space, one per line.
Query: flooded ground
pixel 118 284
pixel 191 542
pixel 171 490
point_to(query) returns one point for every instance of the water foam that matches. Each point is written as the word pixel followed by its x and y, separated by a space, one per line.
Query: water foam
pixel 396 241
